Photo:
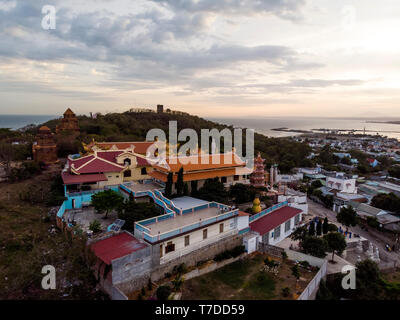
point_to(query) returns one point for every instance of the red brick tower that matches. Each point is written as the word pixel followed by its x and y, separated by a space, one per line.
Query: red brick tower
pixel 257 178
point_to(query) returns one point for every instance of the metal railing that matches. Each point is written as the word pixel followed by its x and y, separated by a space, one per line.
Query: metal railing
pixel 159 237
pixel 268 210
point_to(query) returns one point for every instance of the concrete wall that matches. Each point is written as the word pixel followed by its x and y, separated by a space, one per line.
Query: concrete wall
pixel 131 266
pixel 196 237
pixel 158 272
pixel 299 256
pixel 205 253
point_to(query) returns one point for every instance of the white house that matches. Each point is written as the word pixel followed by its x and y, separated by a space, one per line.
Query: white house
pixel 193 224
pixel 295 198
pixel 342 183
pixel 277 225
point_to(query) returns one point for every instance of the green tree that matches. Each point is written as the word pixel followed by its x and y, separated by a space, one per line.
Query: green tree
pixel 336 243
pixel 319 227
pixel 95 226
pixel 106 201
pixel 348 216
pixel 295 272
pixel 394 171
pixel 168 185
pixel 314 246
pixel 185 189
pixel 132 211
pixel 241 193
pixel 194 186
pixel 311 229
pixel 163 292
pixel 299 234
pixel 177 282
pixel 369 283
pixel 180 183
pixel 325 226
pixel 213 190
pixel 389 202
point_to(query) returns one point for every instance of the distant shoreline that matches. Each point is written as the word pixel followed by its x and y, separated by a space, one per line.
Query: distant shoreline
pixel 388 122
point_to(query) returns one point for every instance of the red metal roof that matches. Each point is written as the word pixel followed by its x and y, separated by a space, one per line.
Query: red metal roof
pixel 76 179
pixel 99 165
pixel 274 219
pixel 116 247
pixel 80 161
pixel 110 155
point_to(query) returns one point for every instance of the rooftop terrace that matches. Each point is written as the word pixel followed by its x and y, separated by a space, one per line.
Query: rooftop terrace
pixel 189 218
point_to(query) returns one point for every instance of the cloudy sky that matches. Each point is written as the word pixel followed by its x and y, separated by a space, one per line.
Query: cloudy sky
pixel 206 57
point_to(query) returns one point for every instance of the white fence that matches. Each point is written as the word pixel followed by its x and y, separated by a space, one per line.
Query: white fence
pixel 310 291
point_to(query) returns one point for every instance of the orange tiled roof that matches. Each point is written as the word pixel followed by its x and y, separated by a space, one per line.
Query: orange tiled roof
pixel 195 175
pixel 217 161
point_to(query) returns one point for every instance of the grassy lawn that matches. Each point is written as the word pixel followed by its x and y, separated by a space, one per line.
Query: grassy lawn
pixel 26 245
pixel 245 279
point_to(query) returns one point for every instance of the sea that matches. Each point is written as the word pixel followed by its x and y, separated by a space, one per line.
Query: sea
pixel 15 122
pixel 264 125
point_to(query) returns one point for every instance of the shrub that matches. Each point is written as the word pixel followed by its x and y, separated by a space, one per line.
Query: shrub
pixel 163 292
pixel 332 227
pixel 167 275
pixel 182 268
pixel 95 226
pixel 305 264
pixel 284 255
pixel 222 256
pixel 237 251
pixel 286 292
pixel 373 222
pixel 149 285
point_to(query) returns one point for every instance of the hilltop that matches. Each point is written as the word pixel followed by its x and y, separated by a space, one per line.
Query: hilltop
pixel 133 126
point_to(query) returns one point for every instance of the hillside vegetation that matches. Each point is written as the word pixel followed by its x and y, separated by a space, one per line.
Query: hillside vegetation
pixel 131 126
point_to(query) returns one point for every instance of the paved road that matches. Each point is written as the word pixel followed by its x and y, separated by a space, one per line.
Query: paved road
pixel 377 238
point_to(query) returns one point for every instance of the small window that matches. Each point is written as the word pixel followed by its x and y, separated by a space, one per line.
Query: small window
pixel 143 171
pixel 221 228
pixel 127 162
pixel 204 234
pixel 277 232
pixel 187 241
pixel 117 176
pixel 236 178
pixel 223 179
pixel 297 219
pixel 127 173
pixel 169 247
pixel 287 225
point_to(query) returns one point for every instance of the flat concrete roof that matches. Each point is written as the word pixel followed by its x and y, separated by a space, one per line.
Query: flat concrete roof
pixel 188 202
pixel 181 221
pixel 140 187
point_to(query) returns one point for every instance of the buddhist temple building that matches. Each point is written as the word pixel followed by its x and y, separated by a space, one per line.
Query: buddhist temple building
pixel 228 167
pixel 45 148
pixel 102 168
pixel 68 123
pixel 258 177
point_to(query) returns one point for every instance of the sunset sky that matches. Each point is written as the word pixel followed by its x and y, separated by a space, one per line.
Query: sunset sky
pixel 205 57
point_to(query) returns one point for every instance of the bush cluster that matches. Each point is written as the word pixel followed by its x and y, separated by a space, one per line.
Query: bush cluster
pixel 233 253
